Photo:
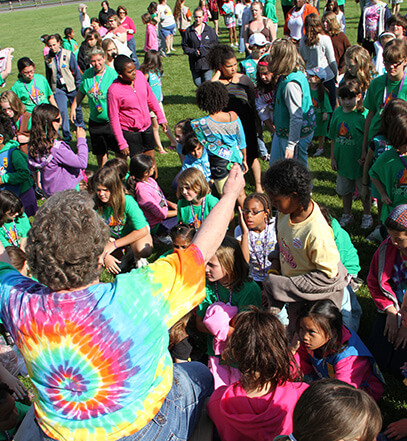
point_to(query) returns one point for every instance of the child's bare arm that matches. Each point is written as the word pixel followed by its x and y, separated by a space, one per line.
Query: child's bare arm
pixel 334 165
pixel 369 118
pixel 380 188
pixel 244 244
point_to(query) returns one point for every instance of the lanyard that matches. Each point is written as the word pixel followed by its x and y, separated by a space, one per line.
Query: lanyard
pixel 9 236
pixel 96 85
pixel 158 191
pixel 196 220
pixel 217 295
pixel 34 98
pixel 263 264
pixel 386 95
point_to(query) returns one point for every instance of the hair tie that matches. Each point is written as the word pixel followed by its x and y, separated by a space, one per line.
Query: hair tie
pixel 85 178
pixel 292 437
pixel 263 63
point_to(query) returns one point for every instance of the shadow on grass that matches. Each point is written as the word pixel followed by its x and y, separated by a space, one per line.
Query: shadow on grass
pixel 180 99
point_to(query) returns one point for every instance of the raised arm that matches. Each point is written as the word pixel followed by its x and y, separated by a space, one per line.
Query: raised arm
pixel 213 229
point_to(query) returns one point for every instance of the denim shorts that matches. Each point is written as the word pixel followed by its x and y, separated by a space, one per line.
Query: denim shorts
pixel 169 30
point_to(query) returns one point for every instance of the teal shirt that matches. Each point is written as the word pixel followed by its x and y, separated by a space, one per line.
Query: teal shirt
pixel 71 45
pixel 11 233
pixel 154 80
pixel 249 67
pixel 246 295
pixel 194 217
pixel 281 113
pixel 35 92
pixel 95 88
pixel 347 251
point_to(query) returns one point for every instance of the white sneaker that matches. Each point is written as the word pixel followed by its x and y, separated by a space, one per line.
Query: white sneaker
pixel 319 152
pixel 367 222
pixel 346 219
pixel 141 262
pixel 376 235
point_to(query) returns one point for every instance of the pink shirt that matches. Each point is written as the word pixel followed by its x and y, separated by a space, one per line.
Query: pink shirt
pixel 151 41
pixel 128 107
pixel 128 23
pixel 152 201
pixel 241 418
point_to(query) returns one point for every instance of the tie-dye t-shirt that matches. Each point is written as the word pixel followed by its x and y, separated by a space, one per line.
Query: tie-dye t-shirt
pixel 98 357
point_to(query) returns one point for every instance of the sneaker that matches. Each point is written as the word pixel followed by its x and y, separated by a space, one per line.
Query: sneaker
pixel 376 235
pixel 346 219
pixel 141 262
pixel 166 240
pixel 266 158
pixel 319 152
pixel 367 222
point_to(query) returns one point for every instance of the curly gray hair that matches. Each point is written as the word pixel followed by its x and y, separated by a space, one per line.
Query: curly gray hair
pixel 65 241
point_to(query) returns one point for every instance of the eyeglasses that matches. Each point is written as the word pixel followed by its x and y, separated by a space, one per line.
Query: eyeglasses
pixel 393 65
pixel 253 213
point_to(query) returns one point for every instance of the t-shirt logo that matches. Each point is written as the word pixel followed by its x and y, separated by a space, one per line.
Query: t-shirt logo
pixel 5 162
pixel 389 98
pixel 315 102
pixel 343 130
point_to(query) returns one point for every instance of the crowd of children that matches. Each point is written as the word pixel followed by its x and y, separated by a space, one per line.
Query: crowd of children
pixel 280 316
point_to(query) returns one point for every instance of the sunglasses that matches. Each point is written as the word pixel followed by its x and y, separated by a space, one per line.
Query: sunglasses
pixel 393 65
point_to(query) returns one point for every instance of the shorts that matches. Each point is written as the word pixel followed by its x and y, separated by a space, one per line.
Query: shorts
pixel 230 22
pixel 346 186
pixel 153 115
pixel 167 31
pixel 218 167
pixel 102 138
pixel 140 142
pixel 214 15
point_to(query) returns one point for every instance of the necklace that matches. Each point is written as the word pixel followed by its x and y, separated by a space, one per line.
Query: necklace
pixel 218 298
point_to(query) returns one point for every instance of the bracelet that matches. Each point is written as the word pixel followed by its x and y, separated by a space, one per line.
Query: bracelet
pixel 114 244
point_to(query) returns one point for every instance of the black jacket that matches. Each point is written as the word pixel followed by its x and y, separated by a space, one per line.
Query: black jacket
pixel 191 44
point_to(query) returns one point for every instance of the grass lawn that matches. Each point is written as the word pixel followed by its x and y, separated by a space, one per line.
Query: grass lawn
pixel 22 29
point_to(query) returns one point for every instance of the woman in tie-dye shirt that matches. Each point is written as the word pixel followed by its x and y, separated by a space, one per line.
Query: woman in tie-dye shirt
pixel 97 353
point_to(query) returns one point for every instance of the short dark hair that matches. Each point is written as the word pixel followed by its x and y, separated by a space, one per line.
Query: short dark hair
pixel 65 241
pixel 286 177
pixel 397 19
pixel 120 63
pixel 67 31
pixel 9 202
pixel 395 226
pixel 190 143
pixel 139 164
pixel 183 230
pixel 24 62
pixel 6 129
pixel 212 96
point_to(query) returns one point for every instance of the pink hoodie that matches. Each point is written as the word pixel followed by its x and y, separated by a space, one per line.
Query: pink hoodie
pixel 240 418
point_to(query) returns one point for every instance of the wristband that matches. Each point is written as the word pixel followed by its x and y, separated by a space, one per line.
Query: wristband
pixel 114 244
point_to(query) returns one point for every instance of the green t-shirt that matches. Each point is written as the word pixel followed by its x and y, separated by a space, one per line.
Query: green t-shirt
pixel 248 294
pixel 184 213
pixel 321 128
pixel 91 85
pixel 11 233
pixel 391 172
pixel 347 251
pixel 133 219
pixel 22 410
pixel 346 130
pixel 269 10
pixel 376 97
pixel 35 92
pixel 71 45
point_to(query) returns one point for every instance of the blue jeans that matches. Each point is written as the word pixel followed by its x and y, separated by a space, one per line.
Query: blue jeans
pixel 200 76
pixel 131 44
pixel 301 150
pixel 61 97
pixel 176 420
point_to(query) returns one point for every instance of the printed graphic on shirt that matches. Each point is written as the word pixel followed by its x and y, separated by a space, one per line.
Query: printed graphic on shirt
pixel 286 253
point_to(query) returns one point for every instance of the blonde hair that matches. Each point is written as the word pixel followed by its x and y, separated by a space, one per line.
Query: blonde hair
pixel 284 57
pixel 194 179
pixel 232 261
pixel 334 26
pixel 366 70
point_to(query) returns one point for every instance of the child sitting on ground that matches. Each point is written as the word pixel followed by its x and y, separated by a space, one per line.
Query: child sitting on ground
pixel 196 156
pixel 261 404
pixel 387 284
pixel 12 413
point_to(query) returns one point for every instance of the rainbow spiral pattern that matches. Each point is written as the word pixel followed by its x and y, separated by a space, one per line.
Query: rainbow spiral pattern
pixel 98 357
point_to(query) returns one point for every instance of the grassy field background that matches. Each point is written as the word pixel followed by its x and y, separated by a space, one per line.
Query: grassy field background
pixel 22 30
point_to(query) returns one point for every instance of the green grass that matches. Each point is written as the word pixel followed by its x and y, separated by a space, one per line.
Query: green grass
pixel 22 29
